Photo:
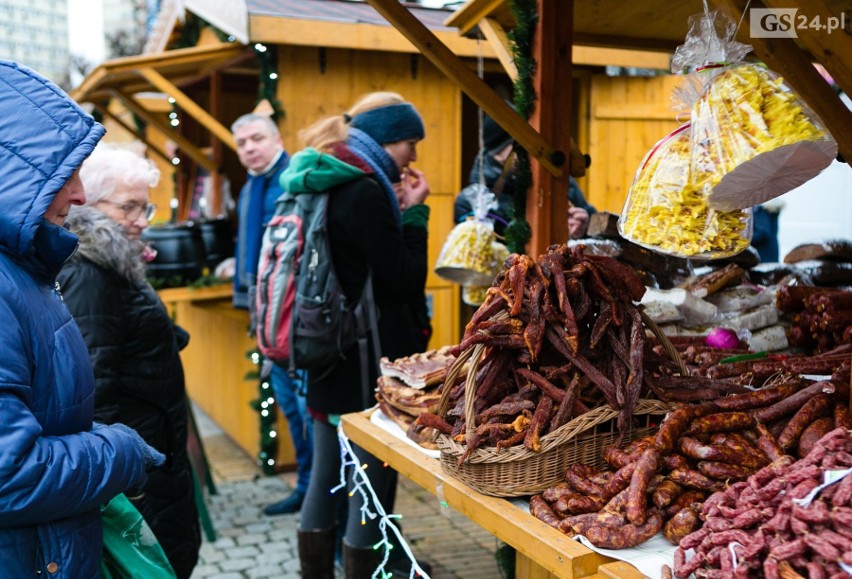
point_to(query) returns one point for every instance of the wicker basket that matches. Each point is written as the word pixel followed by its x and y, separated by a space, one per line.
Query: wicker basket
pixel 518 471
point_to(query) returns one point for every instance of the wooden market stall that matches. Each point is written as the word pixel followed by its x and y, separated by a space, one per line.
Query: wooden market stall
pixel 209 61
pixel 648 25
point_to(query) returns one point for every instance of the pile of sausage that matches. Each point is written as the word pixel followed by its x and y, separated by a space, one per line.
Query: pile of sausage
pixel 659 482
pixel 711 375
pixel 561 336
pixel 821 317
pixel 762 527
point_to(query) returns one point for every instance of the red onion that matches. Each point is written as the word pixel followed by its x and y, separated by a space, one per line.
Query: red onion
pixel 723 338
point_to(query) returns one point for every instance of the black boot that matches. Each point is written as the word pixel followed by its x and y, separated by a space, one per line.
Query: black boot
pixel 360 563
pixel 316 554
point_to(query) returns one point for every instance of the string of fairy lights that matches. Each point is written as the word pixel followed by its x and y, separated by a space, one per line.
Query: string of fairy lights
pixel 371 508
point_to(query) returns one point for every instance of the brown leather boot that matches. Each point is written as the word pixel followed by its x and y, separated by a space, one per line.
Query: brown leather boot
pixel 316 553
pixel 360 563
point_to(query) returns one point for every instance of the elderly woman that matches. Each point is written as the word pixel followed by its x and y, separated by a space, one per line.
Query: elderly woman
pixel 55 469
pixel 133 345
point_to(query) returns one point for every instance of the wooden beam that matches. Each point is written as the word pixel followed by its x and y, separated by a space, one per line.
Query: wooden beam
pixel 89 83
pixel 599 56
pixel 832 50
pixel 296 32
pixel 121 122
pixel 473 86
pixel 190 106
pixel 626 42
pixel 784 57
pixel 499 41
pixel 472 13
pixel 182 142
pixel 547 200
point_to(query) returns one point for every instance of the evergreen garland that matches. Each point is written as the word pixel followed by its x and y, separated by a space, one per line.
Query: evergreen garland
pixel 267 83
pixel 266 408
pixel 518 232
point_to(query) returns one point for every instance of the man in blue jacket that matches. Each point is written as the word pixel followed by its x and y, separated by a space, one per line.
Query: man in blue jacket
pixel 262 153
pixel 56 467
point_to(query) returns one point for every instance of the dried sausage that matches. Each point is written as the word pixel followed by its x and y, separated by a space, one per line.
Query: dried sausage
pixel 542 511
pixel 666 492
pixel 818 405
pixel 794 402
pixel 723 470
pixel 624 536
pixel 682 524
pixel 812 433
pixel 721 422
pixel 637 500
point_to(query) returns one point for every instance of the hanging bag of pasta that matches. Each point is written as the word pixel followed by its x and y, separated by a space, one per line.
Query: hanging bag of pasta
pixel 749 139
pixel 753 137
pixel 468 257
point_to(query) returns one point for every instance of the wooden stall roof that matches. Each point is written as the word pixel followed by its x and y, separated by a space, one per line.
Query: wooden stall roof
pixel 663 24
pixel 326 23
pixel 643 25
pixel 126 78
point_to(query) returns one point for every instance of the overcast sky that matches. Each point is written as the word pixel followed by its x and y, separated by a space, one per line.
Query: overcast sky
pixel 85 29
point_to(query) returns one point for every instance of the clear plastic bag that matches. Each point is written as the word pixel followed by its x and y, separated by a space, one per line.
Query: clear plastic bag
pixel 749 139
pixel 468 257
pixel 752 136
pixel 754 139
pixel 667 208
pixel 474 295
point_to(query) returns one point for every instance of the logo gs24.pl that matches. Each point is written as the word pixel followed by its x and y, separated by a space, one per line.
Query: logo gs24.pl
pixel 785 23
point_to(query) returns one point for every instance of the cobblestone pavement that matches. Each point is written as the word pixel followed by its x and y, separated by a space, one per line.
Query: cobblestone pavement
pixel 250 545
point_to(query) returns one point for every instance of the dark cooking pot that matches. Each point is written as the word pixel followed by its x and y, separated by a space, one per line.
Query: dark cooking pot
pixel 218 241
pixel 180 252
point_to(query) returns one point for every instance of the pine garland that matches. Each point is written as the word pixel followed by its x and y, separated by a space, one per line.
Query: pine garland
pixel 519 232
pixel 267 84
pixel 265 406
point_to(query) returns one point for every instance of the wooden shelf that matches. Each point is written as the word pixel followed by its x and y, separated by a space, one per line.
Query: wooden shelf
pixel 194 294
pixel 543 552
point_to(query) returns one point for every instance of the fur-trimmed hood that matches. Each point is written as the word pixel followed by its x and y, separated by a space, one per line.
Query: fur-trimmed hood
pixel 104 243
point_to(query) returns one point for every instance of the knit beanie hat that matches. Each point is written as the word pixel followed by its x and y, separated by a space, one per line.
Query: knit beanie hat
pixel 494 137
pixel 391 123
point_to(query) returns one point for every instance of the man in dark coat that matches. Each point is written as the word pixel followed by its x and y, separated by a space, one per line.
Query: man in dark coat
pixel 494 167
pixel 262 153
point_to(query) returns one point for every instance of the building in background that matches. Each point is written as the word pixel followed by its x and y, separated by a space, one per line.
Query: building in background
pixel 35 33
pixel 126 25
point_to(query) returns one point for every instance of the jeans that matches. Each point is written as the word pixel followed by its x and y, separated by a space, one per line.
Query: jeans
pixel 290 395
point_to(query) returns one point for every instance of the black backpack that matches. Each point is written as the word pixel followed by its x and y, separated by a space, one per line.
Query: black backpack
pixel 303 318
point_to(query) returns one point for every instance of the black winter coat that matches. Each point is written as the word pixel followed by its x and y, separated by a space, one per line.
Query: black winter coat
pixel 363 233
pixel 139 378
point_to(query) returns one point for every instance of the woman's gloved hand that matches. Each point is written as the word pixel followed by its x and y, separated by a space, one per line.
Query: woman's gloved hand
pixel 153 457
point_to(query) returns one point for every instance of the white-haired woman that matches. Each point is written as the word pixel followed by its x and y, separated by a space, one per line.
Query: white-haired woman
pixel 133 344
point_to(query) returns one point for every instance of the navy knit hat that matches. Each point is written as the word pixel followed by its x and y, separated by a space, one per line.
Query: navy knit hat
pixel 390 124
pixel 494 137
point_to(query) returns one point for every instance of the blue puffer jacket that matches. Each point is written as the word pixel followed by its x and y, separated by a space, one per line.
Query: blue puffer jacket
pixel 55 471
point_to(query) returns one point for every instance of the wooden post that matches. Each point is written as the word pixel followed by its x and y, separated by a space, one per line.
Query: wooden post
pixel 547 202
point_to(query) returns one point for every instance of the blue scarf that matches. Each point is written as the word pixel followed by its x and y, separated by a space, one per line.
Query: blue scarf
pixel 380 162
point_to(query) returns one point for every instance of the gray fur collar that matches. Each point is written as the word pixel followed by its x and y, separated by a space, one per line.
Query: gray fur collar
pixel 104 243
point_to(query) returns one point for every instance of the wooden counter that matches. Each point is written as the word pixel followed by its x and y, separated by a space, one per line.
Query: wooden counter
pixel 217 366
pixel 542 551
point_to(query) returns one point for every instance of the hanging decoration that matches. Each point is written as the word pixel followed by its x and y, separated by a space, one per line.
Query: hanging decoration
pixel 519 232
pixel 371 509
pixel 267 82
pixel 266 407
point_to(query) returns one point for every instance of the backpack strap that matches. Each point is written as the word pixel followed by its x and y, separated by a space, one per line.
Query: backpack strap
pixel 368 303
